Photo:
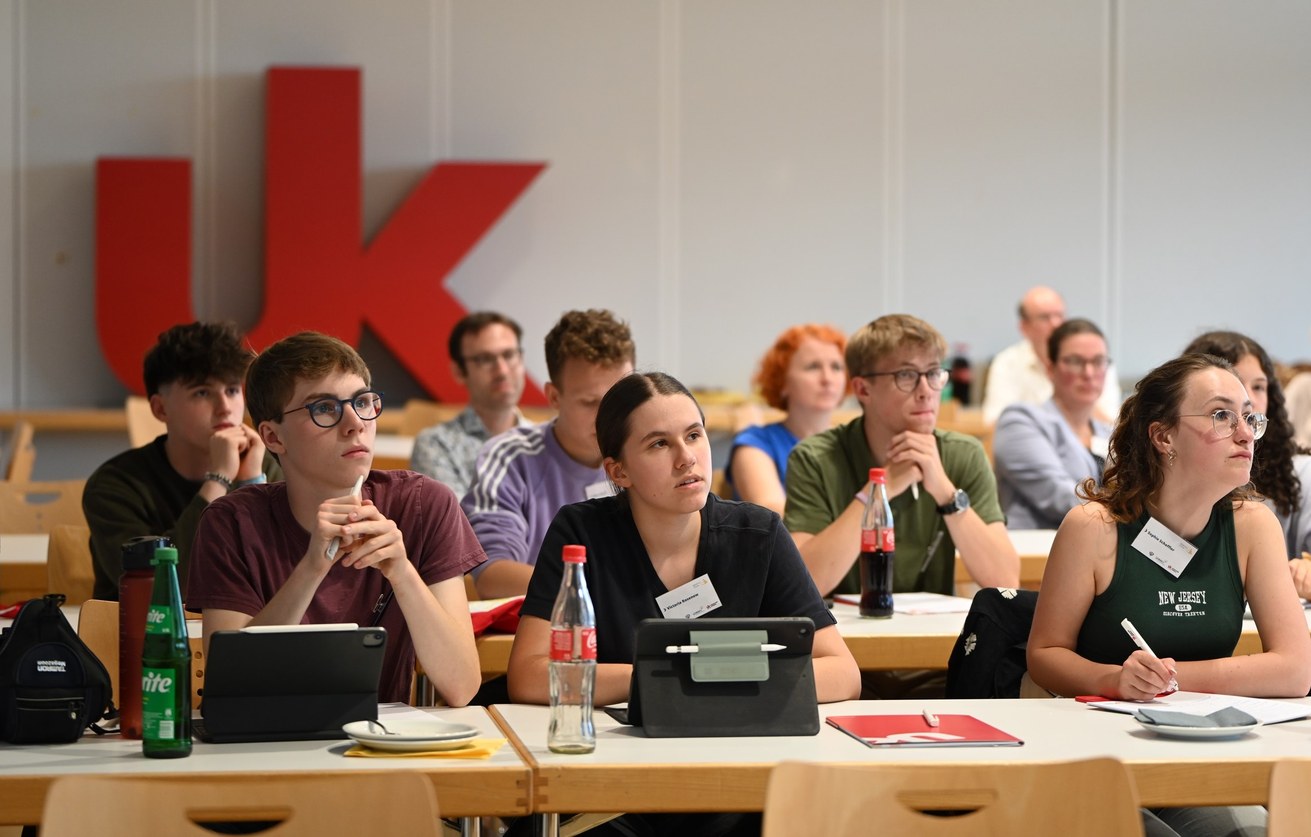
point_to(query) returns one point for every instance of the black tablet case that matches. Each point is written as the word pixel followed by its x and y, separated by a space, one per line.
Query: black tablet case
pixel 290 686
pixel 667 703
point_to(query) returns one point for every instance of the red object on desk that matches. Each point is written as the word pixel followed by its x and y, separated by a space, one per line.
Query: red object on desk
pixel 502 618
pixel 914 731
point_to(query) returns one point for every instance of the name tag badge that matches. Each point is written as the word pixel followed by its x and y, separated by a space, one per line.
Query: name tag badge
pixel 693 599
pixel 599 489
pixel 1164 548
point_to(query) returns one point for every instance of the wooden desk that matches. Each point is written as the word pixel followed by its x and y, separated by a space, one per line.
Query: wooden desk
pixel 391 452
pixel 629 772
pixel 499 786
pixel 22 567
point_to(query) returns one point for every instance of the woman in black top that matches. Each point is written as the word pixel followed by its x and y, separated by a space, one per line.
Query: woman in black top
pixel 663 530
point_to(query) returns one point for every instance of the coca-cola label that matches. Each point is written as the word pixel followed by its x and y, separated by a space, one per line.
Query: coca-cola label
pixel 878 540
pixel 573 644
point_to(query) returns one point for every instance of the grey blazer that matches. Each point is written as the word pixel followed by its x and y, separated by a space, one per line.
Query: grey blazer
pixel 1039 461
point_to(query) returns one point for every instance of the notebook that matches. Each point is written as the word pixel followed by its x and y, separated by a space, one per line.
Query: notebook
pixel 289 683
pixel 917 731
pixel 667 700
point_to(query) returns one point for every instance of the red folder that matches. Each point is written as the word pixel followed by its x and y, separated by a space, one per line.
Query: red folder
pixel 914 731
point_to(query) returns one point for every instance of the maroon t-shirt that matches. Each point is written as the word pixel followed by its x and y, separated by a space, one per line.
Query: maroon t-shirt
pixel 248 543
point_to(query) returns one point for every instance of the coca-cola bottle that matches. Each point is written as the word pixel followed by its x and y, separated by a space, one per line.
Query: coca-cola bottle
pixel 573 660
pixel 878 549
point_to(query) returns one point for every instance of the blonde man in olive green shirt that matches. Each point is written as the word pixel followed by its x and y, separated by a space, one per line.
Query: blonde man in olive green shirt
pixel 941 486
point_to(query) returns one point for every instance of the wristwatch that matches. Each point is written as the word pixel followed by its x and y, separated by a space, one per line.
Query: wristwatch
pixel 959 502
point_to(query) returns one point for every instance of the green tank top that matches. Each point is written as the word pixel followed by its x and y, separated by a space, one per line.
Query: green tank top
pixel 1197 616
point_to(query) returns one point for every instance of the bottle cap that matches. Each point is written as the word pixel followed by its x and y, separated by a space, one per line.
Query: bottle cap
pixel 878 475
pixel 138 552
pixel 575 554
pixel 165 555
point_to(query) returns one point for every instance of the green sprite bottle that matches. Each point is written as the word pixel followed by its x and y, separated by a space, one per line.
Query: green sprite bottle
pixel 166 666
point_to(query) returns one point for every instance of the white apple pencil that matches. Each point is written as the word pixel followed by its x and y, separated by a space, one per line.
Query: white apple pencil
pixel 331 553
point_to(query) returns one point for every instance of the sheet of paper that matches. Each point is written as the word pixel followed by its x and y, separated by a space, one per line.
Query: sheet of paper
pixel 1198 703
pixel 916 604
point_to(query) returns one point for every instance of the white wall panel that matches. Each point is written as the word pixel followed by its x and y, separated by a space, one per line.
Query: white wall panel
pixel 573 84
pixel 1004 162
pixel 781 187
pixel 98 79
pixel 1216 176
pixel 10 322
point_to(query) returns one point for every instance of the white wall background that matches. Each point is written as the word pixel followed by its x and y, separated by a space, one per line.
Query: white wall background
pixel 719 169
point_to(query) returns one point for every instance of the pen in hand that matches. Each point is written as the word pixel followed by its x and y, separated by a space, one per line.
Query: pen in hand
pixel 331 552
pixel 1142 643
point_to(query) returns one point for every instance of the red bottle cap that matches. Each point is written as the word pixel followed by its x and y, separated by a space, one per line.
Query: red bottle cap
pixel 878 475
pixel 575 554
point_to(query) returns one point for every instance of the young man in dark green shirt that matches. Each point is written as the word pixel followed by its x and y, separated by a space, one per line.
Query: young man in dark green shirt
pixel 193 377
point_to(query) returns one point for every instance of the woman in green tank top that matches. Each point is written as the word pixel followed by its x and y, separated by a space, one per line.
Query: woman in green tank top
pixel 1179 477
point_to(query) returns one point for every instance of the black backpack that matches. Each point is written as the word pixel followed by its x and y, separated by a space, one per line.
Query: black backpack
pixel 51 686
pixel 988 660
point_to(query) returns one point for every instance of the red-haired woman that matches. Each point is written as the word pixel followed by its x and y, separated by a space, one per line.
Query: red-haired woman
pixel 804 374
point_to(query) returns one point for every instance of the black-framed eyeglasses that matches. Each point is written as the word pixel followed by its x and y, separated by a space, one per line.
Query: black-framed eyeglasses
pixel 486 360
pixel 327 412
pixel 1225 422
pixel 907 379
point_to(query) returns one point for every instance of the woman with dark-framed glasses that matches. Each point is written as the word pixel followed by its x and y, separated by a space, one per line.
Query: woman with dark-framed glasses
pixel 1174 542
pixel 1042 452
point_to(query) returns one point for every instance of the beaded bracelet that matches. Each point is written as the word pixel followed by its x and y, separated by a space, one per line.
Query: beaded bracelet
pixel 219 478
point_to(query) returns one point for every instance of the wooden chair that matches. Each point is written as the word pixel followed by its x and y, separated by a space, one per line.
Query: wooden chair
pixel 420 414
pixel 894 799
pixel 1290 810
pixel 38 507
pixel 365 802
pixel 21 456
pixel 68 563
pixel 97 624
pixel 142 426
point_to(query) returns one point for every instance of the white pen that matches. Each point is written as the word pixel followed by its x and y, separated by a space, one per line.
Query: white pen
pixel 1142 643
pixel 331 553
pixel 930 718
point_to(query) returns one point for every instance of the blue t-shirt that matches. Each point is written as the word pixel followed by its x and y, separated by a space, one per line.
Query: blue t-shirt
pixel 774 439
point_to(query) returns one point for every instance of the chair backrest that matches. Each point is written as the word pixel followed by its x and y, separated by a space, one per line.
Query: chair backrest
pixel 895 799
pixel 97 624
pixel 38 507
pixel 420 414
pixel 68 563
pixel 1290 809
pixel 142 426
pixel 21 456
pixel 381 802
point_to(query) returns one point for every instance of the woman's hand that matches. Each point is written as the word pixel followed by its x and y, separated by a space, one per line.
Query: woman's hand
pixel 1143 677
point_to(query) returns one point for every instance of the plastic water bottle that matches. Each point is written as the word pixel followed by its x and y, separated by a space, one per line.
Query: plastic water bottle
pixel 134 589
pixel 166 666
pixel 573 660
pixel 878 549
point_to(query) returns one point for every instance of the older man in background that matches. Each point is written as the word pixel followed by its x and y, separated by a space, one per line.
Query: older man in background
pixel 1018 374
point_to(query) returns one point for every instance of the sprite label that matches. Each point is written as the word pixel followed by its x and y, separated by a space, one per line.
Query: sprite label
pixel 158 703
pixel 157 619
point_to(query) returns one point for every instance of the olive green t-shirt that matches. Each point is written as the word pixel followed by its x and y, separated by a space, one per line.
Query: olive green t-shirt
pixel 826 470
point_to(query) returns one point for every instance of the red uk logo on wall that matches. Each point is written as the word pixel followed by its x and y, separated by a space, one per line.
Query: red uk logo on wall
pixel 314 253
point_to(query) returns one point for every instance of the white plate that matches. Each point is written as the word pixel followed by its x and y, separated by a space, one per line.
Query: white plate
pixel 1212 733
pixel 412 736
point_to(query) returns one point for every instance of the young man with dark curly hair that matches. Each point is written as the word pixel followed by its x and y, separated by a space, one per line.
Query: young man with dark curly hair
pixel 193 378
pixel 525 475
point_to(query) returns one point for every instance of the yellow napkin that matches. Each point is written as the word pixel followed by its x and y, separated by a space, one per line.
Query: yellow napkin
pixel 479 748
